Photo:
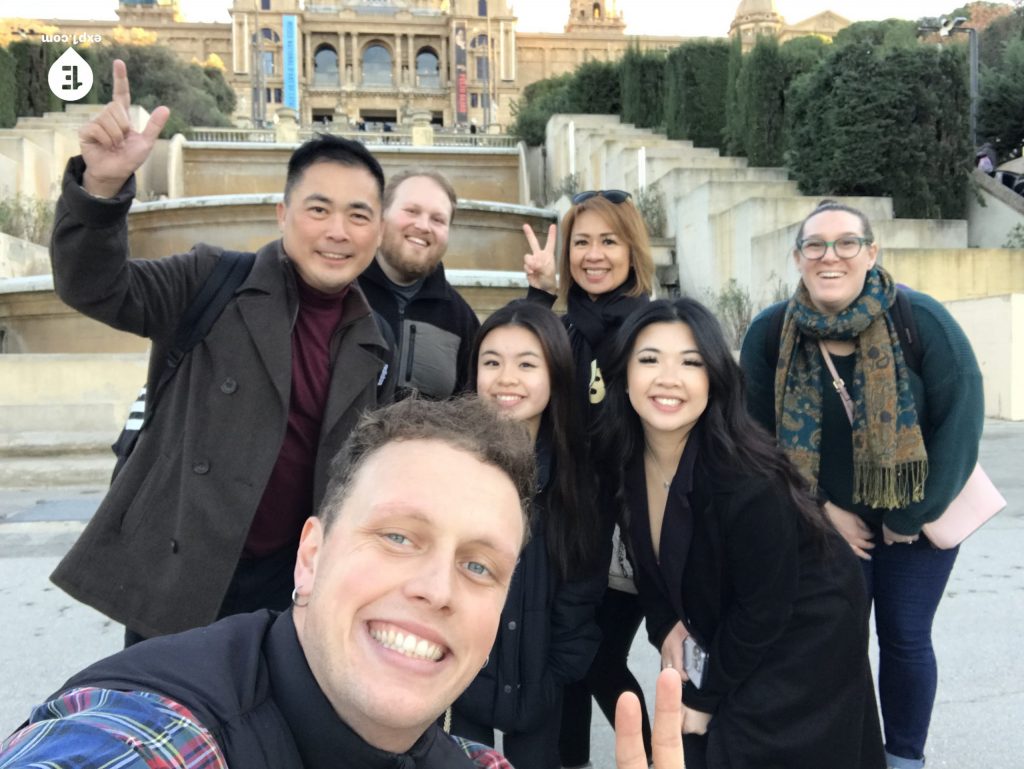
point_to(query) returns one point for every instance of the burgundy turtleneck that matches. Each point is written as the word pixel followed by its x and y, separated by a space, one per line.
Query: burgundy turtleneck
pixel 288 498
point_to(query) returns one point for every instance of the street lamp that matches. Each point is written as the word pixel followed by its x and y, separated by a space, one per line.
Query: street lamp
pixel 949 27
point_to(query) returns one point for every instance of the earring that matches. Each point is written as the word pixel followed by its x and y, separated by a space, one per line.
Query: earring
pixel 296 597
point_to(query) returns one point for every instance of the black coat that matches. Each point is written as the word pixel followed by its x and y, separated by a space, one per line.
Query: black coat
pixel 782 617
pixel 246 680
pixel 547 637
pixel 160 552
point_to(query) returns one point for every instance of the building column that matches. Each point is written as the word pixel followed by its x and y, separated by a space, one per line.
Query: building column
pixel 444 64
pixel 342 70
pixel 357 76
pixel 396 62
pixel 411 42
pixel 310 72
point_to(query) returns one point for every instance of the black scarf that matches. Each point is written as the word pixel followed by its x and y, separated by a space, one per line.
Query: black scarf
pixel 592 327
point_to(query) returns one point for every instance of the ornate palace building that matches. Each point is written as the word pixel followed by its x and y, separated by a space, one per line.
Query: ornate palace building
pixel 462 62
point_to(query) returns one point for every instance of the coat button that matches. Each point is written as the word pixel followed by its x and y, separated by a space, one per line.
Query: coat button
pixel 512 625
pixel 508 689
pixel 200 468
pixel 228 386
pixel 174 546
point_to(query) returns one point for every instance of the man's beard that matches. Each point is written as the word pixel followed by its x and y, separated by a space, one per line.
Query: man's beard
pixel 409 269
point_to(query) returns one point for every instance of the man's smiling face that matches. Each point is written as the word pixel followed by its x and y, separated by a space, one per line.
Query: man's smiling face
pixel 415 230
pixel 331 224
pixel 406 586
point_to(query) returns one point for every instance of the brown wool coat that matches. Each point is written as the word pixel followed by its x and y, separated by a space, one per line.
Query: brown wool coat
pixel 160 551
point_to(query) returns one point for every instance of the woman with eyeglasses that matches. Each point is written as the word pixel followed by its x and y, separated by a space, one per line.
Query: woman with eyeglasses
pixel 606 271
pixel 887 445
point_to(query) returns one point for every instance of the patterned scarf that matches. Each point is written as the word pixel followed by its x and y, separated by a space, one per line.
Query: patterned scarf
pixel 889 459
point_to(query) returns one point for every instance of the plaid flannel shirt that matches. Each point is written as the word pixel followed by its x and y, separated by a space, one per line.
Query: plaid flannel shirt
pixel 89 728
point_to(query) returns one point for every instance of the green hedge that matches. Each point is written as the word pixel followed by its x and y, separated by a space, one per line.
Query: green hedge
pixel 8 90
pixel 761 89
pixel 32 62
pixel 893 121
pixel 595 89
pixel 642 79
pixel 695 82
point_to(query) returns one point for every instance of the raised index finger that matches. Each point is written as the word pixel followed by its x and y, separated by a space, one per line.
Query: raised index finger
pixel 122 95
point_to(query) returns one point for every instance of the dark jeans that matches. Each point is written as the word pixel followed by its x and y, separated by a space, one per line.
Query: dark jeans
pixel 258 583
pixel 619 617
pixel 529 750
pixel 906 583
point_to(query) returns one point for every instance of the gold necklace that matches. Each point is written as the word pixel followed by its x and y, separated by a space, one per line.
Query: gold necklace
pixel 666 483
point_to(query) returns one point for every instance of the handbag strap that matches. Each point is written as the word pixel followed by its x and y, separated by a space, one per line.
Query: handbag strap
pixel 837 381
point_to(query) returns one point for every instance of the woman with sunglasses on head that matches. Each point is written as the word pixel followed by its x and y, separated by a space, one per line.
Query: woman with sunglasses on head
pixel 606 272
pixel 748 591
pixel 887 446
pixel 521 364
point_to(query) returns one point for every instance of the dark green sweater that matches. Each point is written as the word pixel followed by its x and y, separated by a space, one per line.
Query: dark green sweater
pixel 950 408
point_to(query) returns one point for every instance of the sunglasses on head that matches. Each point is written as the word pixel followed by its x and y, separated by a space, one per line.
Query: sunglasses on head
pixel 612 196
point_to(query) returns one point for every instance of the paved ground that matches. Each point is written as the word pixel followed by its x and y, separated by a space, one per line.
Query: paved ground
pixel 46 635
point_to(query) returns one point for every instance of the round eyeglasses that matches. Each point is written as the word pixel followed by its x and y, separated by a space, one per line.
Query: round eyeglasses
pixel 612 196
pixel 845 247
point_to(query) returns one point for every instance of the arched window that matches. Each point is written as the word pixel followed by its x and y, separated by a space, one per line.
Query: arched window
pixel 268 34
pixel 481 8
pixel 428 71
pixel 325 66
pixel 597 11
pixel 377 65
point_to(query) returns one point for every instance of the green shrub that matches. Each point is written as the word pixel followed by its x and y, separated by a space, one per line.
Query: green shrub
pixel 8 90
pixel 696 75
pixel 651 205
pixel 27 218
pixel 594 89
pixel 642 78
pixel 873 120
pixel 540 101
pixel 762 86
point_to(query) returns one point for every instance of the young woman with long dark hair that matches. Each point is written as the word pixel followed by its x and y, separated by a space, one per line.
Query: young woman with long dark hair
pixel 735 559
pixel 521 364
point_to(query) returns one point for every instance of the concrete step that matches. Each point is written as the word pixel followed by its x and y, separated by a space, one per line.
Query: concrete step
pixel 59 470
pixel 42 444
pixel 82 416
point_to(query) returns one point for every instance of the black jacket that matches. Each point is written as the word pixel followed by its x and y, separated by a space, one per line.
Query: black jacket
pixel 547 637
pixel 782 616
pixel 434 332
pixel 246 680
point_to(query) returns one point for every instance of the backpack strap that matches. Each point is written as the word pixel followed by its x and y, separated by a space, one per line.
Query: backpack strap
pixel 228 273
pixel 773 335
pixel 902 315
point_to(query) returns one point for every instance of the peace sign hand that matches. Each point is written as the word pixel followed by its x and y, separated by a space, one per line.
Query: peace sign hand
pixel 111 148
pixel 539 264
